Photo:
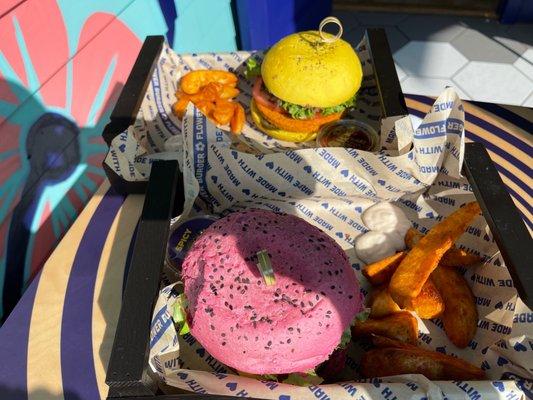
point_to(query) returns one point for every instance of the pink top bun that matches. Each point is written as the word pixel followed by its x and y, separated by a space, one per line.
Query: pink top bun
pixel 291 326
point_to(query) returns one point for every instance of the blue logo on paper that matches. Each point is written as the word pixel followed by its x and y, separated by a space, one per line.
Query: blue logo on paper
pixel 519 347
pixel 200 351
pixel 502 361
pixel 499 385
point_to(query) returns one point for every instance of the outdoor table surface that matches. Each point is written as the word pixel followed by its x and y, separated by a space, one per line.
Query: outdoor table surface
pixel 57 342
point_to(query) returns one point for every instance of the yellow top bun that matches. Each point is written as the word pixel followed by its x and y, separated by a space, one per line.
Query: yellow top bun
pixel 303 69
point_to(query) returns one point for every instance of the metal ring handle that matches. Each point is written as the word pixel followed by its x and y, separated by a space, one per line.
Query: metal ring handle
pixel 326 21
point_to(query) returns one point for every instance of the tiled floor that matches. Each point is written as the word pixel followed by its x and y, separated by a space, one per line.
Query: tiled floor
pixel 484 60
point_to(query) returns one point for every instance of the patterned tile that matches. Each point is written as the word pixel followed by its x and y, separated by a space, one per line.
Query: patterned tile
pixel 494 83
pixel 512 41
pixel 525 64
pixel 528 102
pixel 401 73
pixel 430 86
pixel 430 59
pixel 522 33
pixel 431 27
pixel 476 46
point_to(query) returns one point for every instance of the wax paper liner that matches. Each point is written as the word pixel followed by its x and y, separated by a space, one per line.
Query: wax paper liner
pixel 330 188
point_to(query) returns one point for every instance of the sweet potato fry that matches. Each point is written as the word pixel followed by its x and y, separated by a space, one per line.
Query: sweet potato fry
pixel 223 111
pixel 228 92
pixel 210 92
pixel 401 326
pixel 180 106
pixel 428 304
pixel 382 304
pixel 381 271
pixel 419 263
pixel 412 236
pixel 206 107
pixel 435 366
pixel 454 257
pixel 193 81
pixel 237 121
pixel 460 315
pixel 384 342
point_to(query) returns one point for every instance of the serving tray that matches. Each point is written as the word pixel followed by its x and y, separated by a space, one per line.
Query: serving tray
pixel 128 373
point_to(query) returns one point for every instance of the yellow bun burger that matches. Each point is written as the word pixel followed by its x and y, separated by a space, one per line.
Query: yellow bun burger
pixel 303 83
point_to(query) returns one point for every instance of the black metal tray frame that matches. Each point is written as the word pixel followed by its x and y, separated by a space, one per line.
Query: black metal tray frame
pixel 127 374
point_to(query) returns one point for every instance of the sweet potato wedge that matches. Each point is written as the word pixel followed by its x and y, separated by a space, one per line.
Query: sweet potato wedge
pixel 180 106
pixel 384 342
pixel 237 121
pixel 435 366
pixel 381 271
pixel 460 315
pixel 223 111
pixel 412 236
pixel 382 304
pixel 414 270
pixel 454 257
pixel 400 326
pixel 192 82
pixel 429 302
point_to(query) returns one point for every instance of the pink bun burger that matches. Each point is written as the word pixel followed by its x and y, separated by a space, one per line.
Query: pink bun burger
pixel 292 325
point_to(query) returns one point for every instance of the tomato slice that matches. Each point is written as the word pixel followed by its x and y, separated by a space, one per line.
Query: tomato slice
pixel 261 97
pixel 265 99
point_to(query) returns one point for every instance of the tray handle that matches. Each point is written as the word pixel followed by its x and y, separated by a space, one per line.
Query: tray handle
pixel 503 218
pixel 127 369
pixel 132 94
pixel 388 85
pixel 128 104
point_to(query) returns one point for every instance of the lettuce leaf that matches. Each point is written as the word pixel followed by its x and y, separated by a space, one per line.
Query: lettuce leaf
pixel 302 112
pixel 362 315
pixel 341 107
pixel 253 68
pixel 269 377
pixel 296 111
pixel 346 337
pixel 307 379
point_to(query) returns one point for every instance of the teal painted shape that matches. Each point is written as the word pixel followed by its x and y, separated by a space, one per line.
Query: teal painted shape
pixel 144 18
pixel 204 26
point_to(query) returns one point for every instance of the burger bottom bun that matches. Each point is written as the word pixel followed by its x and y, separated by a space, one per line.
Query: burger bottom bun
pixel 276 133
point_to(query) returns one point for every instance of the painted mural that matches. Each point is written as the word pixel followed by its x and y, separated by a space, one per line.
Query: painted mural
pixel 62 66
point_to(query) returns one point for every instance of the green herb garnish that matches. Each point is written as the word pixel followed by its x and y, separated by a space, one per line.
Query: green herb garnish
pixel 180 314
pixel 265 267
